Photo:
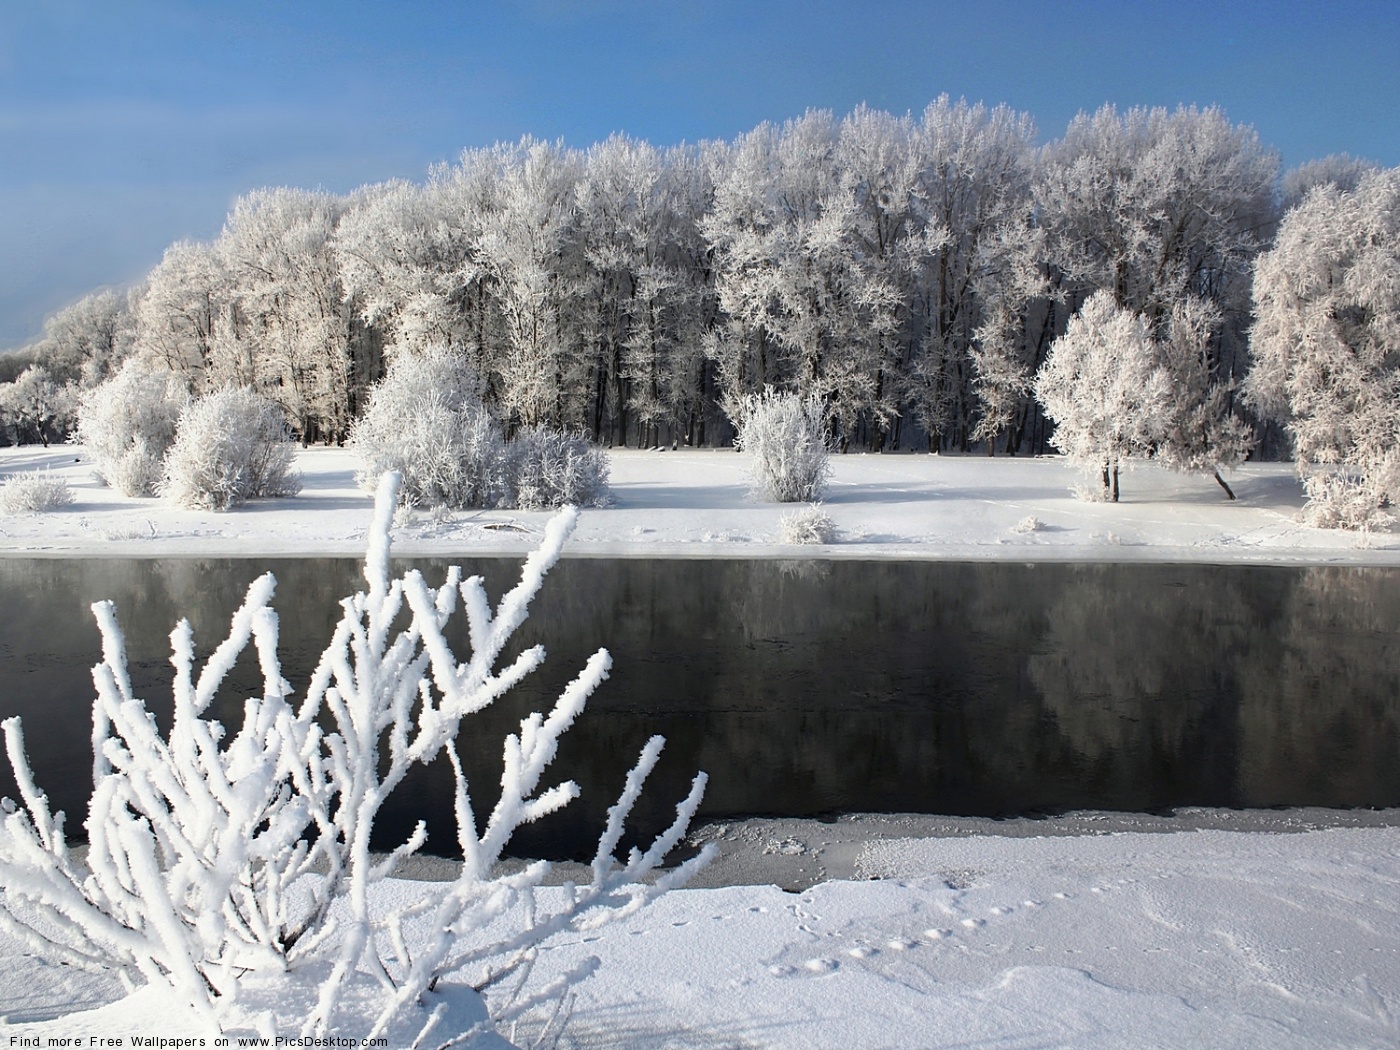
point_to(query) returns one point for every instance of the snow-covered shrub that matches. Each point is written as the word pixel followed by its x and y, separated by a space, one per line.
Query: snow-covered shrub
pixel 551 468
pixel 230 868
pixel 809 524
pixel 426 421
pixel 230 446
pixel 785 435
pixel 128 423
pixel 34 490
pixel 1028 524
pixel 1338 500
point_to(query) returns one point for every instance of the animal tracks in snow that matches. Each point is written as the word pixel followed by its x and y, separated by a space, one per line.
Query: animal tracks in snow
pixel 967 924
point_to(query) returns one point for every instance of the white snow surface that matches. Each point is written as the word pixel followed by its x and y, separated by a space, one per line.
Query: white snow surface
pixel 696 503
pixel 1190 939
pixel 1186 939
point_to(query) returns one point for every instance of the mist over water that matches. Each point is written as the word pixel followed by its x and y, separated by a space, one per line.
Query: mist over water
pixel 817 687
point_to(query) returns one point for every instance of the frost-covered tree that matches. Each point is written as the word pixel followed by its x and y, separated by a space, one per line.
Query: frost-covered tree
pixel 36 409
pixel 426 421
pixel 229 867
pixel 1341 170
pixel 1326 343
pixel 973 196
pixel 86 341
pixel 784 434
pixel 127 425
pixel 1198 433
pixel 183 314
pixel 805 311
pixel 642 290
pixel 230 446
pixel 411 262
pixel 1103 389
pixel 527 249
pixel 1155 205
pixel 289 322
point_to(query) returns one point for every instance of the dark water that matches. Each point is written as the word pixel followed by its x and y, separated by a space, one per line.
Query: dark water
pixel 808 688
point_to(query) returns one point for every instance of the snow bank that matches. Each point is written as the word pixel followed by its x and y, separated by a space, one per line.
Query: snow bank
pixel 696 503
pixel 1196 939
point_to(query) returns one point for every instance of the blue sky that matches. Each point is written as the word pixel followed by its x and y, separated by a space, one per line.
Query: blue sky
pixel 127 125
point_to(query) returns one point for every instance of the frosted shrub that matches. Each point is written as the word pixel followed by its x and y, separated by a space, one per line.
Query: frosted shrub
pixel 1338 500
pixel 230 447
pixel 426 421
pixel 232 870
pixel 551 468
pixel 34 490
pixel 785 436
pixel 1029 524
pixel 127 424
pixel 808 524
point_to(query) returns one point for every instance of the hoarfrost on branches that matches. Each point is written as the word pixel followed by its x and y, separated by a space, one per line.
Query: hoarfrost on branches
pixel 34 490
pixel 1101 387
pixel 220 865
pixel 1326 343
pixel 807 525
pixel 785 436
pixel 127 425
pixel 230 446
pixel 426 421
pixel 549 468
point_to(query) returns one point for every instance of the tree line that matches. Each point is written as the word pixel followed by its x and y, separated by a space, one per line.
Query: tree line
pixel 909 273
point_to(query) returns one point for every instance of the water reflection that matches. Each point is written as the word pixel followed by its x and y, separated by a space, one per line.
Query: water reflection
pixel 807 688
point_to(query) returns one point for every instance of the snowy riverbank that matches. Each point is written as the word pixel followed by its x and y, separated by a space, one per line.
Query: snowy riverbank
pixel 695 503
pixel 1197 939
pixel 902 932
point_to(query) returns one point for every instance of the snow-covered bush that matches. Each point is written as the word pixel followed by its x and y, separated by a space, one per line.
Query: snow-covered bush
pixel 128 423
pixel 785 435
pixel 1030 523
pixel 426 421
pixel 551 468
pixel 230 446
pixel 34 490
pixel 1340 500
pixel 231 869
pixel 809 524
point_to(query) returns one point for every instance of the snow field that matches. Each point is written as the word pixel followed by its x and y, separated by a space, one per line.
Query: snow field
pixel 696 503
pixel 1196 939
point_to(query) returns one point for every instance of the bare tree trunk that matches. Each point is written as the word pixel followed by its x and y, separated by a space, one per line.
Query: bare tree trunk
pixel 1221 481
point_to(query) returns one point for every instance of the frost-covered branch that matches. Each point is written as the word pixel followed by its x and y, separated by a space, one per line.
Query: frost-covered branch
pixel 211 856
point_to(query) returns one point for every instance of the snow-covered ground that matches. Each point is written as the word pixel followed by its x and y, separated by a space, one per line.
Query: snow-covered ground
pixel 1204 938
pixel 695 503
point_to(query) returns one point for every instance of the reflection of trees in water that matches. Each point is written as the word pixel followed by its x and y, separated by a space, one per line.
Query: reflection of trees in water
pixel 1136 677
pixel 819 686
pixel 1320 693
